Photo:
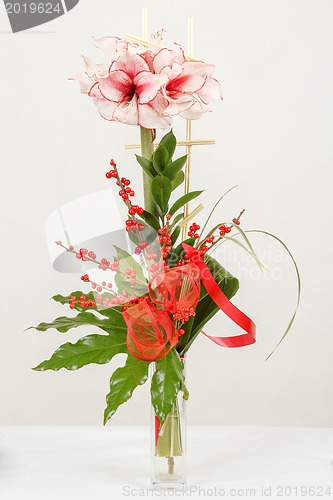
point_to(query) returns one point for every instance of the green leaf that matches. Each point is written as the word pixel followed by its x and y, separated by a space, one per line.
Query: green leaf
pixel 147 165
pixel 123 382
pixel 98 349
pixel 151 220
pixel 126 261
pixel 175 167
pixel 114 313
pixel 64 300
pixel 161 190
pixel 183 200
pixel 177 219
pixel 63 324
pixel 207 308
pixel 169 141
pixel 167 381
pixel 160 158
pixel 178 180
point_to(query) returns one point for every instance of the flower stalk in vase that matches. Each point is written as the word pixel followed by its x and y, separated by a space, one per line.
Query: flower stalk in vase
pixel 147 151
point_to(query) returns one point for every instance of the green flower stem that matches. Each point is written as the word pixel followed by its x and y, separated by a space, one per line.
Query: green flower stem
pixel 169 444
pixel 147 150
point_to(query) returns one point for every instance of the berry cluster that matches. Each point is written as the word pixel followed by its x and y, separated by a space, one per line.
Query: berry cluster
pixel 135 209
pixel 164 238
pixel 82 302
pixel 125 193
pixel 143 245
pixel 131 275
pixel 84 254
pixel 183 315
pixel 115 300
pixel 224 229
pixel 193 232
pixel 133 225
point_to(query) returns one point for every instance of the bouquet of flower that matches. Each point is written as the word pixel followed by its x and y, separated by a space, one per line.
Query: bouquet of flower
pixel 153 300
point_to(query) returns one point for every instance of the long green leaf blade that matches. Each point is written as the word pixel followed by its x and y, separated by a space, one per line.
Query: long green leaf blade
pixel 64 323
pixel 175 167
pixel 161 190
pixel 298 285
pixel 98 349
pixel 169 141
pixel 186 198
pixel 167 381
pixel 123 382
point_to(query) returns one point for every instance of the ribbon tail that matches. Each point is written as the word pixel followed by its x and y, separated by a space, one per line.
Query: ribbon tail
pixel 222 301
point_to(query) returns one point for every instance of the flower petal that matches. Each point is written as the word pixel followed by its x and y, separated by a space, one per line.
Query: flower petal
pixel 150 118
pixel 163 59
pixel 180 104
pixel 192 78
pixel 85 85
pixel 211 90
pixel 195 111
pixel 178 53
pixel 112 46
pixel 117 87
pixel 147 85
pixel 95 70
pixel 127 112
pixel 106 108
pixel 132 64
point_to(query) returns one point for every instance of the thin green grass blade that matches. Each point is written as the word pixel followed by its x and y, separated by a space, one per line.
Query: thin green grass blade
pixel 213 209
pixel 298 284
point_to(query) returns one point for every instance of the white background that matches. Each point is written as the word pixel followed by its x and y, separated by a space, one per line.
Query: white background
pixel 273 138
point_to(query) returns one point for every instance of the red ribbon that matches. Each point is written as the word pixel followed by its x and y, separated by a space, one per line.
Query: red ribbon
pixel 222 301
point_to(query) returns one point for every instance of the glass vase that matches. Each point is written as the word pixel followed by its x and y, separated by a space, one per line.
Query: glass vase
pixel 168 446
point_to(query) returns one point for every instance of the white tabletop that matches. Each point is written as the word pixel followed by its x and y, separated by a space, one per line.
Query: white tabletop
pixel 96 463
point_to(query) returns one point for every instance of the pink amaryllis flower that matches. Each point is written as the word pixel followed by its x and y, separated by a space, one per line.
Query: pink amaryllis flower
pixel 126 90
pixel 190 86
pixel 142 88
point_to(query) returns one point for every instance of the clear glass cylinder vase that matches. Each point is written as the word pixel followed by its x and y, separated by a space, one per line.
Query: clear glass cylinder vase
pixel 168 445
